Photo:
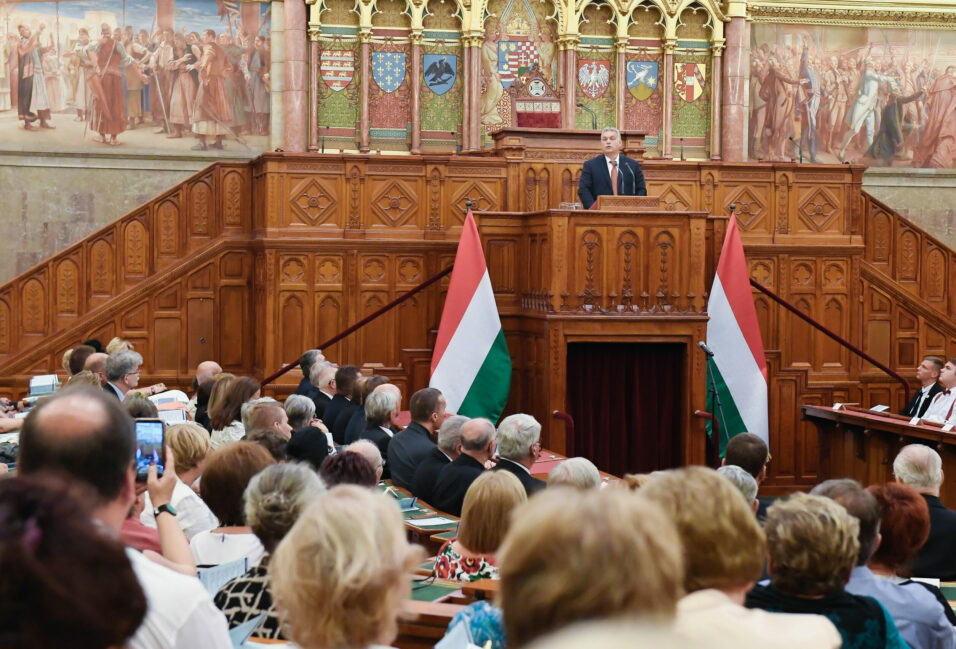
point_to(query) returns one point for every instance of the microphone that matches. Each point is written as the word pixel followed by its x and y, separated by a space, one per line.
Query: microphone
pixel 707 350
pixel 633 182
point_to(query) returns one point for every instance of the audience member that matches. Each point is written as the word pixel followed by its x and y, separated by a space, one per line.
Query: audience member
pixel 217 394
pixel 95 344
pixel 322 376
pixel 122 372
pixel 813 544
pixel 744 482
pixel 485 520
pixel 96 363
pixel 225 478
pixel 62 433
pixel 201 416
pixel 448 448
pixel 300 411
pixel 268 414
pixel 309 358
pixel 724 550
pixel 52 560
pixel 370 452
pixel 351 421
pixel 190 445
pixel 349 468
pixel 577 472
pixel 274 500
pixel 224 414
pixel 117 344
pixel 411 446
pixel 139 407
pixel 519 446
pixel 927 373
pixel 750 453
pixel 341 574
pixel 381 412
pixel 892 527
pixel 941 407
pixel 206 372
pixel 65 361
pixel 921 468
pixel 626 562
pixel 345 378
pixel 78 357
pixel 478 441
pixel 276 444
pixel 86 377
pixel 309 442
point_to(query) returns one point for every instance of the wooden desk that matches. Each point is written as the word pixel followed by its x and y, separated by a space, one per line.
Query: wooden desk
pixel 481 589
pixel 422 624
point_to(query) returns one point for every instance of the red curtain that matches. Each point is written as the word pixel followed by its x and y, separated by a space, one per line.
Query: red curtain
pixel 625 399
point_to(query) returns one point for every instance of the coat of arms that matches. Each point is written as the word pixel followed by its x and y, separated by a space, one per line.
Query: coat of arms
pixel 440 72
pixel 388 70
pixel 689 80
pixel 642 78
pixel 514 59
pixel 337 68
pixel 594 77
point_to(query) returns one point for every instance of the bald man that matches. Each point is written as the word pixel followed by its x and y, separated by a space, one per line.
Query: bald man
pixel 96 363
pixel 205 371
pixel 478 444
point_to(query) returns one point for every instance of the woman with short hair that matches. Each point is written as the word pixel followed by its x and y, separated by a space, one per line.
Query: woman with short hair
pixel 578 472
pixel 485 520
pixel 340 575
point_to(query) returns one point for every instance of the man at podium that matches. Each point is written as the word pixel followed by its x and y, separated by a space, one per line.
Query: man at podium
pixel 610 174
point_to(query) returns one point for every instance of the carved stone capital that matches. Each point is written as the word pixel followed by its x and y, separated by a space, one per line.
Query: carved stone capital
pixel 416 37
pixel 717 47
pixel 314 32
pixel 568 42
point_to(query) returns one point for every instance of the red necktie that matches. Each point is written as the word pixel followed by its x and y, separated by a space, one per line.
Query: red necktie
pixel 614 177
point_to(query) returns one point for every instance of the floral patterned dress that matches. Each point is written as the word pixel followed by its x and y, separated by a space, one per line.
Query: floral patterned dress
pixel 451 565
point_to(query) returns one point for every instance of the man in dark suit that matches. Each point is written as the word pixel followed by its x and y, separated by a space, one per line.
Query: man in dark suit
pixel 478 437
pixel 920 467
pixel 449 447
pixel 610 173
pixel 322 376
pixel 519 447
pixel 306 361
pixel 928 375
pixel 381 411
pixel 122 372
pixel 345 378
pixel 412 445
pixel 351 421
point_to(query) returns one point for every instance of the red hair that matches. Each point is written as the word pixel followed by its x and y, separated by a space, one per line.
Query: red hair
pixel 904 524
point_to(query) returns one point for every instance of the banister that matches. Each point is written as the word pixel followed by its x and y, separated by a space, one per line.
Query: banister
pixel 853 348
pixel 364 321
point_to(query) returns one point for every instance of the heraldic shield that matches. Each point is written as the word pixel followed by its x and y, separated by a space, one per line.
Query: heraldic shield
pixel 388 70
pixel 594 77
pixel 440 72
pixel 642 78
pixel 689 80
pixel 337 68
pixel 514 59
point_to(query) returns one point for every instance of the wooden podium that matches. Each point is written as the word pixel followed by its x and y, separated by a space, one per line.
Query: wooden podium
pixel 627 203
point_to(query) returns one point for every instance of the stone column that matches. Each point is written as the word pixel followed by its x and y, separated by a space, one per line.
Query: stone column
pixel 571 79
pixel 477 41
pixel 621 45
pixel 296 77
pixel 715 102
pixel 733 100
pixel 669 47
pixel 466 86
pixel 277 72
pixel 416 90
pixel 365 37
pixel 314 89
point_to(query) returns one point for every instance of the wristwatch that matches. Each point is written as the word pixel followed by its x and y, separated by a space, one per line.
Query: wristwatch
pixel 164 508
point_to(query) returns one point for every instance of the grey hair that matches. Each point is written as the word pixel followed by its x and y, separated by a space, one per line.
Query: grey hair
pixel 276 496
pixel 449 435
pixel 308 358
pixel 315 372
pixel 741 479
pixel 380 403
pixel 918 466
pixel 122 362
pixel 479 443
pixel 245 410
pixel 367 449
pixel 300 410
pixel 516 434
pixel 577 472
pixel 612 129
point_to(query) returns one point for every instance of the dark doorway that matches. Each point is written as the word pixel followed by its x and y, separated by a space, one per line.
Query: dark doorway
pixel 625 399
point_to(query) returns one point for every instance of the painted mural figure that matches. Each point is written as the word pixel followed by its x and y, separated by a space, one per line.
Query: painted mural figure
pixel 889 139
pixel 32 102
pixel 5 50
pixel 256 69
pixel 212 114
pixel 778 90
pixel 107 110
pixel 83 68
pixel 863 111
pixel 810 105
pixel 187 53
pixel 161 81
pixel 937 146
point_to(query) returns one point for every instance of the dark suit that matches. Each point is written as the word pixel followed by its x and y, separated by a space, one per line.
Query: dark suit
pixel 596 179
pixel 406 451
pixel 308 444
pixel 109 387
pixel 453 483
pixel 936 558
pixel 306 388
pixel 531 484
pixel 321 401
pixel 350 424
pixel 332 410
pixel 381 439
pixel 426 475
pixel 910 409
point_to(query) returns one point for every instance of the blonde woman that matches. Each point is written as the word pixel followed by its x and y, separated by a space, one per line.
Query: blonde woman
pixel 485 519
pixel 340 575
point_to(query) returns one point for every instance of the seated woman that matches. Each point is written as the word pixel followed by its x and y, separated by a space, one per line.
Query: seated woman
pixel 53 558
pixel 485 520
pixel 309 442
pixel 340 575
pixel 225 478
pixel 274 500
pixel 578 472
pixel 814 544
pixel 190 445
pixel 225 413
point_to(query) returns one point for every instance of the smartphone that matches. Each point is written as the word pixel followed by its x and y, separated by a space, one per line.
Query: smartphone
pixel 150 436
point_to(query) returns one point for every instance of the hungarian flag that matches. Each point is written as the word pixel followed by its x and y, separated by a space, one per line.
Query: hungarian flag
pixel 738 368
pixel 470 364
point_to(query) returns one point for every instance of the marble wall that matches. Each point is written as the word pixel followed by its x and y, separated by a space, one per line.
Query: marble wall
pixel 925 196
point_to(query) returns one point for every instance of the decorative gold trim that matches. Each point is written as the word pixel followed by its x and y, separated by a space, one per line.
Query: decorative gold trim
pixel 876 17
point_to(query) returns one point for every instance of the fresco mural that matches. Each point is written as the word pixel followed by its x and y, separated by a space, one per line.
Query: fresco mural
pixel 879 97
pixel 167 75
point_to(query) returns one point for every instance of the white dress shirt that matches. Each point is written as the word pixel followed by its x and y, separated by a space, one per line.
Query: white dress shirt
pixel 941 408
pixel 923 393
pixel 192 514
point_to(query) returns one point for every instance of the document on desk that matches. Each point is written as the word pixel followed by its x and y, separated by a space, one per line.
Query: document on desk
pixel 431 521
